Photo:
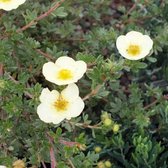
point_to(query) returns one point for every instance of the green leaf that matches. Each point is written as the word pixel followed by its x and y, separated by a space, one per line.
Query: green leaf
pixel 85 57
pixel 151 59
pixel 60 12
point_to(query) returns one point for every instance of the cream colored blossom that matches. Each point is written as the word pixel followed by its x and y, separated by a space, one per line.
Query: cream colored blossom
pixel 64 71
pixel 10 4
pixel 134 45
pixel 1 166
pixel 55 106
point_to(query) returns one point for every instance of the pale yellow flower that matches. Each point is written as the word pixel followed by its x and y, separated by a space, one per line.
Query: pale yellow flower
pixel 10 4
pixel 55 106
pixel 64 71
pixel 1 166
pixel 134 45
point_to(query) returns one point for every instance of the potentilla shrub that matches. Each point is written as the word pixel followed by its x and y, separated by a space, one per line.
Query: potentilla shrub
pixel 83 84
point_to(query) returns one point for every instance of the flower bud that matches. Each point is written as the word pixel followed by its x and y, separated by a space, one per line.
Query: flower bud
pixel 2 84
pixel 107 122
pixel 97 149
pixel 100 165
pixel 108 163
pixel 81 147
pixel 104 116
pixel 19 164
pixel 116 128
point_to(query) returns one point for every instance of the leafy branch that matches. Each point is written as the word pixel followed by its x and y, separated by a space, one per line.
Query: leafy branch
pixel 42 16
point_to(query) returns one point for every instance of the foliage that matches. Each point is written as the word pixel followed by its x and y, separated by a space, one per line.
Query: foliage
pixel 131 94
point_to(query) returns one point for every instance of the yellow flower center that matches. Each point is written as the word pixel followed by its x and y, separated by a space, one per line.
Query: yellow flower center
pixel 134 50
pixel 61 104
pixel 65 74
pixel 5 1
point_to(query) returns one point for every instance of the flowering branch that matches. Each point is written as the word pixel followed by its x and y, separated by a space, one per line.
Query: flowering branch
pixel 33 22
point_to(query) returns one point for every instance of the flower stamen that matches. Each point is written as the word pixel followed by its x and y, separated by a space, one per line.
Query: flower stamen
pixel 134 50
pixel 5 1
pixel 65 74
pixel 61 104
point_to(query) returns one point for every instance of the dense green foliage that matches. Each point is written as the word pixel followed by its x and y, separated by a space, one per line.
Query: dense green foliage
pixel 126 108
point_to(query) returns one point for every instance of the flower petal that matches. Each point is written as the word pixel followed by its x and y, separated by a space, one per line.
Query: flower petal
pixel 76 108
pixel 48 97
pixel 13 4
pixel 48 115
pixel 71 92
pixel 65 62
pixel 81 68
pixel 134 34
pixel 148 42
pixel 65 82
pixel 120 42
pixel 49 71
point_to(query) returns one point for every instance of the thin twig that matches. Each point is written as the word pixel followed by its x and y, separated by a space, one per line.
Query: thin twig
pixel 33 22
pixel 92 93
pixel 52 154
pixel 84 125
pixel 52 157
pixel 131 9
pixel 69 143
pixel 12 79
pixel 44 166
pixel 151 104
pixel 165 97
pixel 88 126
pixel 138 20
pixel 71 164
pixel 1 69
pixel 64 142
pixel 70 39
pixel 46 55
